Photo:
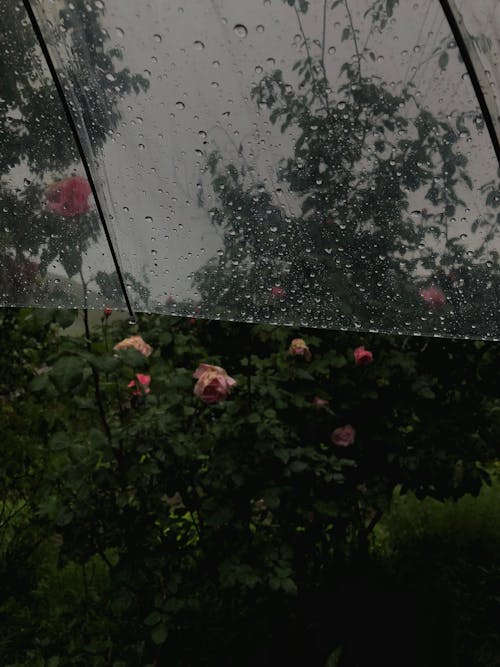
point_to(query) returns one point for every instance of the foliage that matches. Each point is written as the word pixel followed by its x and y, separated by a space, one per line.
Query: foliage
pixel 334 226
pixel 173 524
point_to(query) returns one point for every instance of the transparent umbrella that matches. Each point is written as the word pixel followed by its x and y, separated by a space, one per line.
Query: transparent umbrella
pixel 331 163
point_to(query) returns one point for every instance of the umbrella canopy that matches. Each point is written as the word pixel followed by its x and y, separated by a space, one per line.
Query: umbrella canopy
pixel 329 163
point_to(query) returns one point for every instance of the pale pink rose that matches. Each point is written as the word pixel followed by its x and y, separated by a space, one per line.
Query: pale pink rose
pixel 136 343
pixel 344 436
pixel 320 402
pixel 213 385
pixel 140 384
pixel 433 297
pixel 298 347
pixel 69 197
pixel 277 292
pixel 362 357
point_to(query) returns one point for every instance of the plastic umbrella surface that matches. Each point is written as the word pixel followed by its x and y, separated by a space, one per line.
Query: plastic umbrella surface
pixel 331 163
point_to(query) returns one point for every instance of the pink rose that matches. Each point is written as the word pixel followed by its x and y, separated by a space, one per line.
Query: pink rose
pixel 136 343
pixel 344 436
pixel 140 384
pixel 107 312
pixel 69 197
pixel 213 385
pixel 298 347
pixel 433 297
pixel 362 357
pixel 320 402
pixel 277 292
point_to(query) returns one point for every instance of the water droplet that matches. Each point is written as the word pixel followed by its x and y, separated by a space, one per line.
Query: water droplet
pixel 199 46
pixel 332 50
pixel 180 105
pixel 119 32
pixel 240 30
pixel 259 69
pixel 157 38
pixel 110 77
pixel 260 28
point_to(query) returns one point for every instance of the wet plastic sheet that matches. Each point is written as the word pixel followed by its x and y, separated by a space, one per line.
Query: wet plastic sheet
pixel 319 163
pixel 51 249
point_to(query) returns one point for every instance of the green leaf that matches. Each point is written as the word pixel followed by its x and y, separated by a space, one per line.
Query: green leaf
pixel 104 364
pixel 154 618
pixel 59 441
pixel 41 384
pixel 133 358
pixel 65 318
pixel 159 634
pixel 298 466
pixel 67 373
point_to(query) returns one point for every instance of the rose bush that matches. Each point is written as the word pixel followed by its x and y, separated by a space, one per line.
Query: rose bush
pixel 196 523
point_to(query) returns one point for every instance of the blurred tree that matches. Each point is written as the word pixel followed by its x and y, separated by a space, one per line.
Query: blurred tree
pixel 353 254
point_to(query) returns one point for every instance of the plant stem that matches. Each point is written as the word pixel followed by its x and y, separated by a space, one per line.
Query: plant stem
pixel 95 374
pixel 355 39
pixel 308 51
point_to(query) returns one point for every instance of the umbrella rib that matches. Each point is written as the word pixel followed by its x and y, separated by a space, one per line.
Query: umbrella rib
pixel 83 157
pixel 451 12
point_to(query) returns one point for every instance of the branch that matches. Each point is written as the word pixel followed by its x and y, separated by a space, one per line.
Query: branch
pixel 308 51
pixel 355 39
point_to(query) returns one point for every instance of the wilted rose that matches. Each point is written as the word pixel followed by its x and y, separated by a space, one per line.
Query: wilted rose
pixel 277 292
pixel 344 436
pixel 213 385
pixel 136 343
pixel 433 297
pixel 298 347
pixel 69 197
pixel 140 384
pixel 362 357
